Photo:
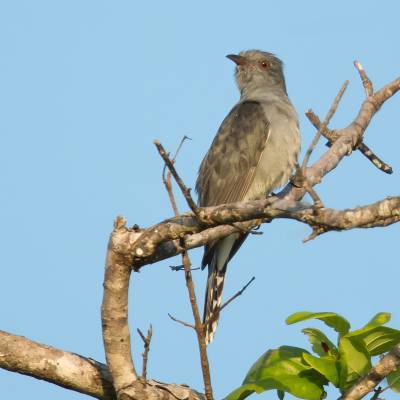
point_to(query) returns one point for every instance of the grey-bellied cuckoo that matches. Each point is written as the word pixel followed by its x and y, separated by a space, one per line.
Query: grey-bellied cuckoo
pixel 254 152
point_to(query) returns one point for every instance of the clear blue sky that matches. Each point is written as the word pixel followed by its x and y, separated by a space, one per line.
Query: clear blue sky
pixel 85 87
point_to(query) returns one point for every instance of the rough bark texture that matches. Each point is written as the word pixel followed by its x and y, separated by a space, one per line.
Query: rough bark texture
pixel 116 336
pixel 62 368
pixel 114 310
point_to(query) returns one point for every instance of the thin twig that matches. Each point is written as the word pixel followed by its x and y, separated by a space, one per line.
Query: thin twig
pixel 146 340
pixel 237 294
pixel 167 179
pixel 182 186
pixel 199 327
pixel 181 268
pixel 315 233
pixel 300 174
pixel 324 124
pixel 369 89
pixel 179 321
pixel 362 147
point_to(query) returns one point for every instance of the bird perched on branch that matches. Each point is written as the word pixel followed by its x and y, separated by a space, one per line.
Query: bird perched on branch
pixel 254 152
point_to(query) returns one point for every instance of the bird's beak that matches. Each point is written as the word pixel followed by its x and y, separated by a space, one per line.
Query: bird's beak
pixel 238 60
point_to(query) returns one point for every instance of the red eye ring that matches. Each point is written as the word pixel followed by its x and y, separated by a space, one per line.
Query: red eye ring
pixel 264 64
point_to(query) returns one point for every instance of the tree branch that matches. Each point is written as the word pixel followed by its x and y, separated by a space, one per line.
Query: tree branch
pixel 387 364
pixel 146 344
pixel 362 147
pixel 65 369
pixel 165 241
pixel 116 336
pixel 170 165
pixel 325 123
pixel 147 248
pixel 167 178
pixel 75 372
pixel 198 326
pixel 114 310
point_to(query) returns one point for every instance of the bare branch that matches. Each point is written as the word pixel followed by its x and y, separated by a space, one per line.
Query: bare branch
pixel 237 294
pixel 81 374
pixel 299 177
pixel 182 186
pixel 387 364
pixel 177 268
pixel 167 179
pixel 116 334
pixel 369 89
pixel 165 243
pixel 362 147
pixel 179 321
pixel 145 250
pixel 325 123
pixel 146 341
pixel 65 369
pixel 114 311
pixel 199 328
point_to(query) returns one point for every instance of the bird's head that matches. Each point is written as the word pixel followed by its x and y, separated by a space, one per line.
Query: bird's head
pixel 257 70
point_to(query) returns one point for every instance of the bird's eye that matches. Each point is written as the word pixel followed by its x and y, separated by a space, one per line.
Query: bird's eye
pixel 264 64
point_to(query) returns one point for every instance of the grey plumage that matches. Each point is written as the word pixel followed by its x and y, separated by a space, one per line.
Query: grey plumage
pixel 254 152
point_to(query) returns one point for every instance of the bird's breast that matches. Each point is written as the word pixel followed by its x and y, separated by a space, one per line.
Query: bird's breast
pixel 279 157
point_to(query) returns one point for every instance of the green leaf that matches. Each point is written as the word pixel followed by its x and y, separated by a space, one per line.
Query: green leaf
pixel 377 340
pixel 394 380
pixel 285 369
pixel 378 320
pixel 317 339
pixel 327 367
pixel 335 321
pixel 355 360
pixel 244 391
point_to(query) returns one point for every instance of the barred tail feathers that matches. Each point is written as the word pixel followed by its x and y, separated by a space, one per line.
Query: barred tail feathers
pixel 215 284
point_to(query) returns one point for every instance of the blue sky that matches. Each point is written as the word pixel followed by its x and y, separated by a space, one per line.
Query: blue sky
pixel 85 87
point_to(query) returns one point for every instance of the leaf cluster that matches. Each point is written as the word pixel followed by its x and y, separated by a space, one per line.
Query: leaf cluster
pixel 303 374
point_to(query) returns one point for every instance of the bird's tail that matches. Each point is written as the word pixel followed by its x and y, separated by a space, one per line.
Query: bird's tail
pixel 215 284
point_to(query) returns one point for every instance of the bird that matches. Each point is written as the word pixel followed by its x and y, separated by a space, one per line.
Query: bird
pixel 254 152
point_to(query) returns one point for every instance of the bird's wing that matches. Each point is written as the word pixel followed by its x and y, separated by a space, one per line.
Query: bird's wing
pixel 229 167
pixel 225 176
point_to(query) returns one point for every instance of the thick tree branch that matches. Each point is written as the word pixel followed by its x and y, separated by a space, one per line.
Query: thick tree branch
pixel 116 334
pixel 114 311
pixel 387 364
pixel 69 370
pixel 166 242
pixel 75 372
